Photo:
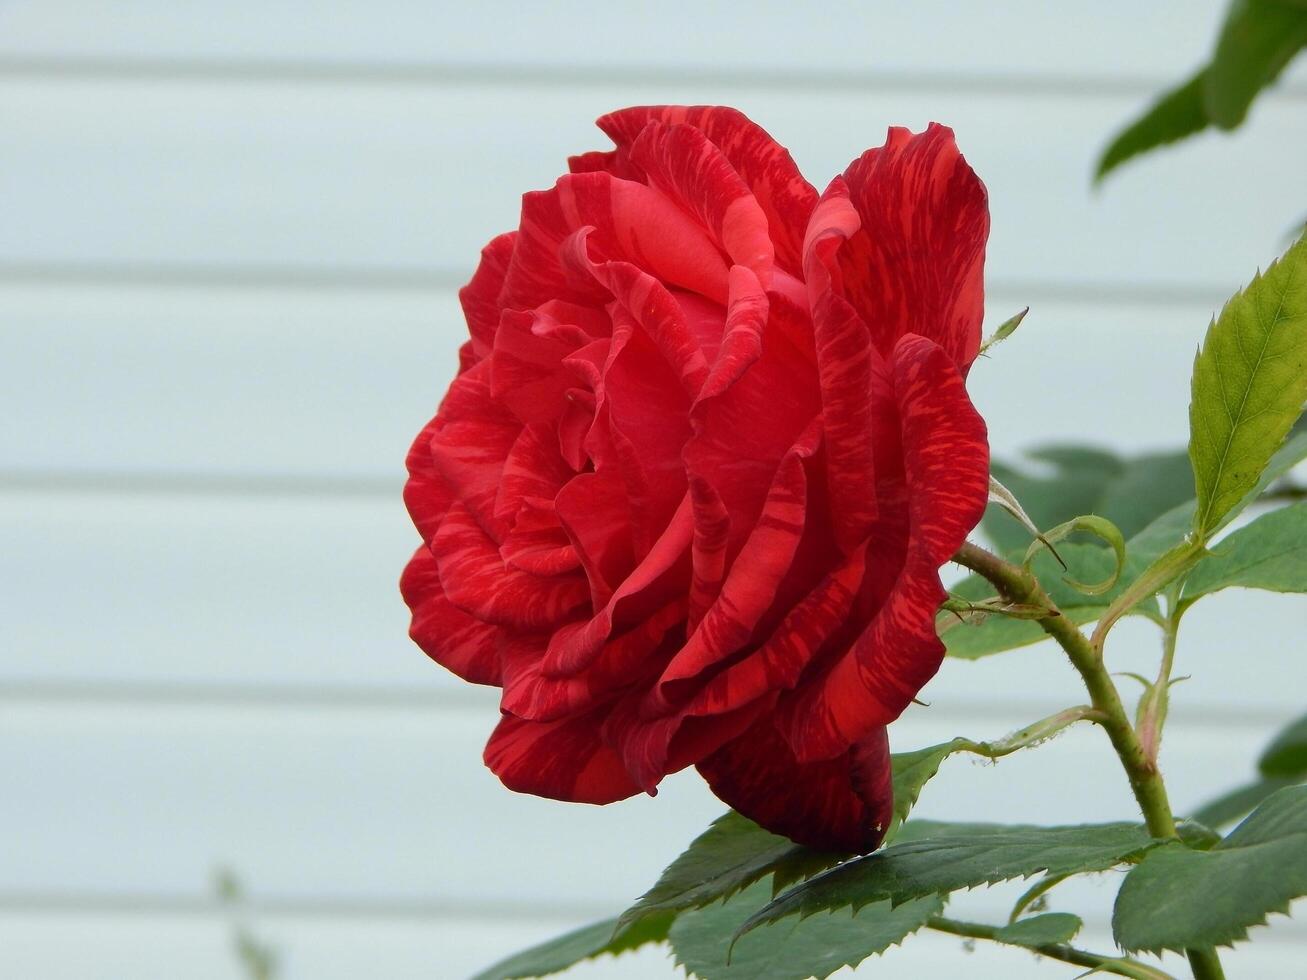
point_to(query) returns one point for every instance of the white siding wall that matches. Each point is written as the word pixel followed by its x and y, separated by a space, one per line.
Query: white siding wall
pixel 230 236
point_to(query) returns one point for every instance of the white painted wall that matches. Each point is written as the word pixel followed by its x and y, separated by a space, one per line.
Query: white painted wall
pixel 229 243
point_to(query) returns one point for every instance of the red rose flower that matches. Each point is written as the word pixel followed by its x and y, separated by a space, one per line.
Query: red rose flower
pixel 687 500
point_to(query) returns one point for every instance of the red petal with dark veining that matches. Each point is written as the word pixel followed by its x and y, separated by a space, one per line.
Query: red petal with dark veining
pixel 526 365
pixel 651 729
pixel 561 760
pixel 946 459
pixel 841 804
pixel 624 661
pixel 537 543
pixel 750 588
pixel 470 444
pixel 846 364
pixel 766 166
pixel 534 471
pixel 917 264
pixel 681 162
pixel 477 581
pixel 630 222
pixel 445 633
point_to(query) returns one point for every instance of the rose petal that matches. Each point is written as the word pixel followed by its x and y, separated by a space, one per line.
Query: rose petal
pixel 425 494
pixel 650 734
pixel 594 510
pixel 648 303
pixel 560 760
pixel 842 804
pixel 476 580
pixel 624 661
pixel 844 363
pixel 751 411
pixel 480 297
pixel 750 588
pixel 662 575
pixel 534 470
pixel 917 264
pixel 766 166
pixel 526 365
pixel 631 223
pixel 537 543
pixel 471 444
pixel 681 162
pixel 445 633
pixel 946 459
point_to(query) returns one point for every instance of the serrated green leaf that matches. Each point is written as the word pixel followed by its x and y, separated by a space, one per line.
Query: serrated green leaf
pixel 954 856
pixel 1238 803
pixel 1249 383
pixel 1293 452
pixel 1179 899
pixel 1169 530
pixel 1176 115
pixel 733 853
pixel 586 943
pixel 796 950
pixel 1286 756
pixel 1047 929
pixel 1270 553
pixel 1258 38
pixel 912 770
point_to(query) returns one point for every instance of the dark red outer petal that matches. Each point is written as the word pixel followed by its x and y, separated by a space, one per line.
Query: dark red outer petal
pixel 560 760
pixel 842 804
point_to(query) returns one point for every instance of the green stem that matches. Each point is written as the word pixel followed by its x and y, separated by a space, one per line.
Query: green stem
pixel 1158 576
pixel 1205 964
pixel 1153 706
pixel 1119 965
pixel 1018 585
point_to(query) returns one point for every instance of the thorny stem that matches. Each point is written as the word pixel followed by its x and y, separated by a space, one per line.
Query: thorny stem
pixel 1017 585
pixel 1122 966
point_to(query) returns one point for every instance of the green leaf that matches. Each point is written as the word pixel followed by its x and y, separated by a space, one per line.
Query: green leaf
pixel 582 944
pixel 1178 898
pixel 813 947
pixel 730 855
pixel 1293 452
pixel 930 858
pixel 1047 929
pixel 1226 809
pixel 1270 553
pixel 1258 38
pixel 1176 115
pixel 912 770
pixel 1169 530
pixel 1286 756
pixel 1249 383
